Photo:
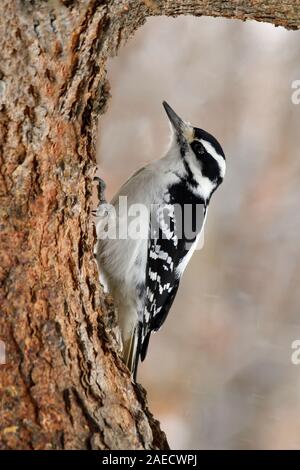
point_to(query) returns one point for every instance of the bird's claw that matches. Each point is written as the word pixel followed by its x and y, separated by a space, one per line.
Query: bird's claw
pixel 100 191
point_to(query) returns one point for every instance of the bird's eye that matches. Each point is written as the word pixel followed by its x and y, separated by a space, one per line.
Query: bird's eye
pixel 198 148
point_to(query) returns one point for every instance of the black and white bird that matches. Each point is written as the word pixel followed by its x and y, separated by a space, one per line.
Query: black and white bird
pixel 143 272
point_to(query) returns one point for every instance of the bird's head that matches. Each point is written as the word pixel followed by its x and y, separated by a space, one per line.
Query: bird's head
pixel 202 154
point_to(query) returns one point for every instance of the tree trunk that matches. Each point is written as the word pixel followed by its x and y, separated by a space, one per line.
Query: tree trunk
pixel 63 385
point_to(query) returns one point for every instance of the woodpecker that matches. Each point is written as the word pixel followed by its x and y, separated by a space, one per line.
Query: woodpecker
pixel 143 272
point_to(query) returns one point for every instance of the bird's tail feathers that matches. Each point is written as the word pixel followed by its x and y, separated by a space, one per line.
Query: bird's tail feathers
pixel 144 346
pixel 132 349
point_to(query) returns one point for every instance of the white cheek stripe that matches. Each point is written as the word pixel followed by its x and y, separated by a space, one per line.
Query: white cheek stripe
pixel 211 150
pixel 205 185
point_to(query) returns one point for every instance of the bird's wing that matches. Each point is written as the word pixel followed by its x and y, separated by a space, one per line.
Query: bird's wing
pixel 169 249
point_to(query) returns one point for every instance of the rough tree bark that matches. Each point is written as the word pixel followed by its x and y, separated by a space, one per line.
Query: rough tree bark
pixel 63 385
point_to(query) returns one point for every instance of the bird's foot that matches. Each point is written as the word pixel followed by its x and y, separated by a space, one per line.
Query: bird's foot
pixel 101 197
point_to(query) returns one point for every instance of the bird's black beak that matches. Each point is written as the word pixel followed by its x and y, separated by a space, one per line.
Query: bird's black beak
pixel 181 127
pixel 175 120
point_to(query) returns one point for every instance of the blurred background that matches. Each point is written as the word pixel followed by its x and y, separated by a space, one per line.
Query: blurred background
pixel 219 374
